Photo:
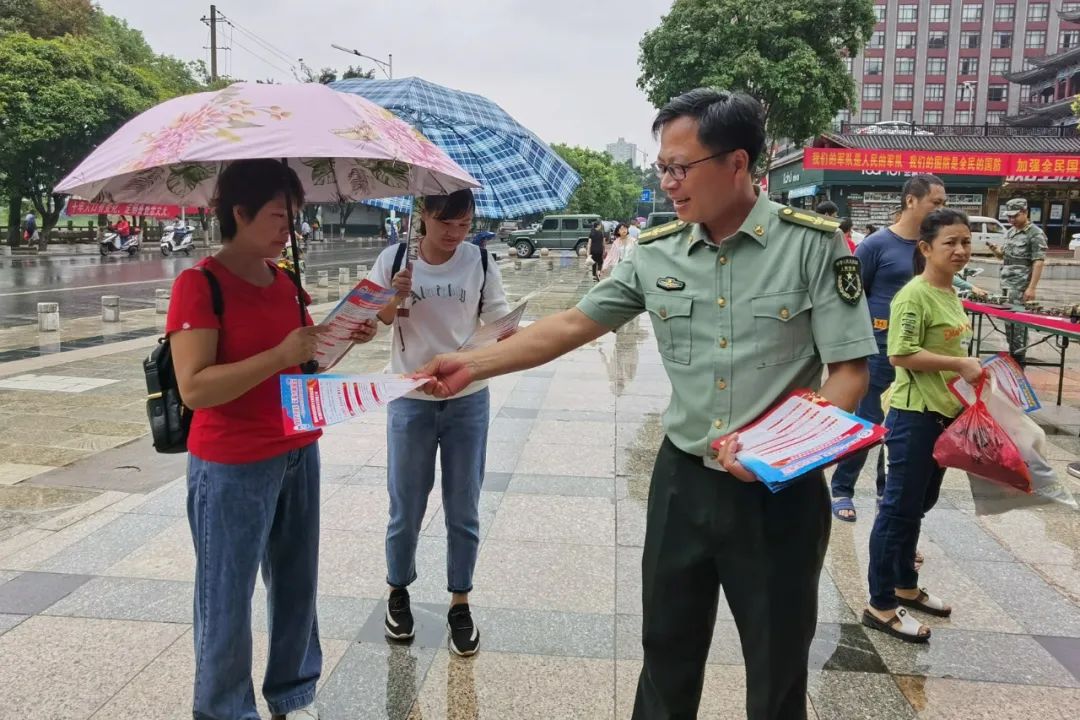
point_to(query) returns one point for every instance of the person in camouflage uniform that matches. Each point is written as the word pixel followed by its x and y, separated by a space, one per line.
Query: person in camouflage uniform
pixel 1024 252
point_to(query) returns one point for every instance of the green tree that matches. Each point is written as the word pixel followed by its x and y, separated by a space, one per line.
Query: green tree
pixel 46 18
pixel 786 53
pixel 607 188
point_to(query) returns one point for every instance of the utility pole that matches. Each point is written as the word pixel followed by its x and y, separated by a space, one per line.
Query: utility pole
pixel 213 21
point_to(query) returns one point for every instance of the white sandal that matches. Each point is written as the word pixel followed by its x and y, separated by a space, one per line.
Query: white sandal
pixel 902 626
pixel 927 603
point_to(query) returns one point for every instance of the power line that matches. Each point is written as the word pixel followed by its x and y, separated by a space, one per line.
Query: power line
pixel 261 58
pixel 266 44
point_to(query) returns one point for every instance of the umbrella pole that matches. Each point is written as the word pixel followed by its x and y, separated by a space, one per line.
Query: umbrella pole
pixel 412 255
pixel 312 366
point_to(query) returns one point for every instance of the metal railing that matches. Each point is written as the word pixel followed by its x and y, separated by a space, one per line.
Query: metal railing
pixel 981 130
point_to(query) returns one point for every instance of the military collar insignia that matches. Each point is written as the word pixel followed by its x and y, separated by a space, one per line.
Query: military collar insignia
pixel 848 279
pixel 759 230
pixel 670 283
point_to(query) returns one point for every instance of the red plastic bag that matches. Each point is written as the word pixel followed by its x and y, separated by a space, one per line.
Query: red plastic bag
pixel 975 442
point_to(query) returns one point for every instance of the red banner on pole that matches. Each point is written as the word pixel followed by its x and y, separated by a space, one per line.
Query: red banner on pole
pixel 159 212
pixel 960 163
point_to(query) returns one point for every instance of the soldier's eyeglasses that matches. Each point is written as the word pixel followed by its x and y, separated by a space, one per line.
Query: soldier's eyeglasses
pixel 678 170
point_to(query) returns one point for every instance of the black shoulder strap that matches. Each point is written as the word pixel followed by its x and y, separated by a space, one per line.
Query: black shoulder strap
pixel 216 298
pixel 483 283
pixel 399 259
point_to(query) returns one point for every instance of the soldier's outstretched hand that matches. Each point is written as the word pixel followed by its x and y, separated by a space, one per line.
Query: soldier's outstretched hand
pixel 448 375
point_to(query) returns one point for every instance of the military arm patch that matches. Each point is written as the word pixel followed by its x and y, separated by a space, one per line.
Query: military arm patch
pixel 660 231
pixel 848 279
pixel 809 219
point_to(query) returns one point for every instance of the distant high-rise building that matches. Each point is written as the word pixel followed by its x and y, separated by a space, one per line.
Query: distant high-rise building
pixel 623 152
pixel 949 62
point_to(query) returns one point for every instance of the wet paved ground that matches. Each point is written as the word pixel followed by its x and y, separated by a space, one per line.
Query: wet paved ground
pixel 95 582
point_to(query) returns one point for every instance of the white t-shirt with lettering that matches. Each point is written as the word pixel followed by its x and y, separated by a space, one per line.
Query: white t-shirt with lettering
pixel 445 308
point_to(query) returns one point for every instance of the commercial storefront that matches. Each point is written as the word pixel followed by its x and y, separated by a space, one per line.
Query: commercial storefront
pixel 1054 204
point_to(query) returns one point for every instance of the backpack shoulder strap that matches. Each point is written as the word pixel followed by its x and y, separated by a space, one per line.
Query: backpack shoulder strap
pixel 399 259
pixel 483 283
pixel 216 298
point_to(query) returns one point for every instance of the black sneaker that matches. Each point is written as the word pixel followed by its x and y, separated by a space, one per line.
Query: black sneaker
pixel 398 624
pixel 464 636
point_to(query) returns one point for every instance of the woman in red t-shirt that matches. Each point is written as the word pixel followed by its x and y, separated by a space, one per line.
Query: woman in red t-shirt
pixel 253 492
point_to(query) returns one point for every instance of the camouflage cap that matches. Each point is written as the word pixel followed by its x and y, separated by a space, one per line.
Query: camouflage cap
pixel 1014 206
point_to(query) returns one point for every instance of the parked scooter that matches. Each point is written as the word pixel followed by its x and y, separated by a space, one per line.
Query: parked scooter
pixel 177 238
pixel 112 243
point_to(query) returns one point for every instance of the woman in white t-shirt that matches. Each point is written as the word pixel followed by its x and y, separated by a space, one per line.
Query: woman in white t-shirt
pixel 453 288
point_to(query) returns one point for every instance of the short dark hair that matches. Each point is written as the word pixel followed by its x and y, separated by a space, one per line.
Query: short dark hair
pixel 871 228
pixel 250 185
pixel 919 186
pixel 826 207
pixel 726 121
pixel 846 225
pixel 932 225
pixel 454 206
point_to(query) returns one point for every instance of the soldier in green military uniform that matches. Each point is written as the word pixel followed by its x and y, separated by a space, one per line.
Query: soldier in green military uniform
pixel 1023 253
pixel 748 300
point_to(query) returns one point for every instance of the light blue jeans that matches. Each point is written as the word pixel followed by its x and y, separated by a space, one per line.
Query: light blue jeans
pixel 243 517
pixel 414 429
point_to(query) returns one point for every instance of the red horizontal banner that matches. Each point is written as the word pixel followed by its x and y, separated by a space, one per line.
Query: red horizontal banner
pixel 961 163
pixel 160 212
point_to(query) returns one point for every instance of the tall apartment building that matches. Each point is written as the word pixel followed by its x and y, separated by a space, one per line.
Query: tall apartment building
pixel 935 62
pixel 623 152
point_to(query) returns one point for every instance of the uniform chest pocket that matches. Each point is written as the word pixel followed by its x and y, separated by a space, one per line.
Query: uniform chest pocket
pixel 782 330
pixel 671 315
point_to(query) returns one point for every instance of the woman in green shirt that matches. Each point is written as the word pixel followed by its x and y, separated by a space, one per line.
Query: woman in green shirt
pixel 928 334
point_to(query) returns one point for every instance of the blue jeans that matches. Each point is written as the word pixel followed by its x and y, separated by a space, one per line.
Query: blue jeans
pixel 914 481
pixel 882 374
pixel 243 517
pixel 415 428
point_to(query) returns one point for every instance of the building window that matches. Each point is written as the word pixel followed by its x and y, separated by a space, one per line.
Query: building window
pixel 997 93
pixel 1038 12
pixel 1070 6
pixel 935 91
pixel 994 118
pixel 871 91
pixel 999 66
pixel 877 40
pixel 963 117
pixel 1035 39
pixel 844 116
pixel 902 115
pixel 939 13
pixel 965 93
pixel 969 40
pixel 875 66
pixel 971 13
pixel 905 66
pixel 905 40
pixel 933 117
pixel 1003 39
pixel 935 66
pixel 908 13
pixel 937 40
pixel 871 116
pixel 1004 13
pixel 1069 39
pixel 849 64
pixel 879 13
pixel 903 91
pixel 1029 63
pixel 969 66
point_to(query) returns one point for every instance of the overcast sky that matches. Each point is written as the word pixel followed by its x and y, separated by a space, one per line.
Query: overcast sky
pixel 567 69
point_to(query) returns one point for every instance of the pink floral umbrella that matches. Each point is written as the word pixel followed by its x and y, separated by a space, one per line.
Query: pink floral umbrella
pixel 342 146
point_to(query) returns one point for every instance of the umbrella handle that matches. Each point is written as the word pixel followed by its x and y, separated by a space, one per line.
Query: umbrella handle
pixel 312 366
pixel 411 256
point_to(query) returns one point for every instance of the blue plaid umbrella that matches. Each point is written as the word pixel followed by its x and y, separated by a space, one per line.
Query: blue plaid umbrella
pixel 519 174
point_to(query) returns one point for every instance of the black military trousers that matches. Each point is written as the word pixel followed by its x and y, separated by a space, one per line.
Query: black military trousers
pixel 706 529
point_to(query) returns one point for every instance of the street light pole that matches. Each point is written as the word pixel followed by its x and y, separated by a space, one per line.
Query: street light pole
pixel 387 66
pixel 970 86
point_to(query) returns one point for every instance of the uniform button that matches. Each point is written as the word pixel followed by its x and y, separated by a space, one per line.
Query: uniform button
pixel 723 342
pixel 784 314
pixel 721 302
pixel 723 259
pixel 721 385
pixel 718 424
pixel 663 312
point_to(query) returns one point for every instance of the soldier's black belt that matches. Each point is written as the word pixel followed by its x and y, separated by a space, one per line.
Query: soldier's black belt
pixel 1017 261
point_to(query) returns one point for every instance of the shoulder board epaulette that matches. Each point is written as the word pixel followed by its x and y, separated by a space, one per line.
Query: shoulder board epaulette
pixel 647 236
pixel 809 219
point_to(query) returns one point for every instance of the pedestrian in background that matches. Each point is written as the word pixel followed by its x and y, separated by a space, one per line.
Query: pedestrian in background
pixel 597 248
pixel 827 208
pixel 635 229
pixel 622 247
pixel 885 259
pixel 927 342
pixel 1023 253
pixel 845 228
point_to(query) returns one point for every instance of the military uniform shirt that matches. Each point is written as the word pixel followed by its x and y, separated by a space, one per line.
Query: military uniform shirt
pixel 740 323
pixel 1021 249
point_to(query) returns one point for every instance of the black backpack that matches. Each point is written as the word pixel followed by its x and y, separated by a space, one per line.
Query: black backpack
pixel 399 261
pixel 169 418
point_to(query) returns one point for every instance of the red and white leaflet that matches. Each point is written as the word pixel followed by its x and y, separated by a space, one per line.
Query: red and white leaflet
pixel 311 402
pixel 362 303
pixel 497 330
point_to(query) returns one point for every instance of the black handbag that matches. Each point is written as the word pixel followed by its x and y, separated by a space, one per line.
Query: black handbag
pixel 170 419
